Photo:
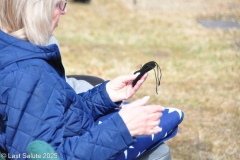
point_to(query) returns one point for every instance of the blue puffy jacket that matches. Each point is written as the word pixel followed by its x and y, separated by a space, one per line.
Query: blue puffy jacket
pixel 37 103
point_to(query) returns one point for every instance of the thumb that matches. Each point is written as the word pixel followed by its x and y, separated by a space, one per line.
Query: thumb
pixel 139 102
pixel 146 98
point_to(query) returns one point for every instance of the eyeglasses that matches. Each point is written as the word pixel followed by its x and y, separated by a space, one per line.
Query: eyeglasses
pixel 62 5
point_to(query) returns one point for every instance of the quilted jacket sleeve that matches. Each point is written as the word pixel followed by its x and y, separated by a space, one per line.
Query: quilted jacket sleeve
pixel 98 100
pixel 36 106
pixel 104 141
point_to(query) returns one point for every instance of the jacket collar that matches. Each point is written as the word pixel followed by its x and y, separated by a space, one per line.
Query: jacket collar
pixel 13 50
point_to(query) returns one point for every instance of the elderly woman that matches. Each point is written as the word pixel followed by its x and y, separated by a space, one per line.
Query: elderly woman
pixel 36 102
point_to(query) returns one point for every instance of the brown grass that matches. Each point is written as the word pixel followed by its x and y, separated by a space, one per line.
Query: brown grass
pixel 200 66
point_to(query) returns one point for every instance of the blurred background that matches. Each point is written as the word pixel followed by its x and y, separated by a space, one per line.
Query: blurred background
pixel 200 65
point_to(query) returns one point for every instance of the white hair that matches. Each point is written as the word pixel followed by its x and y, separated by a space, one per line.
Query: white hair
pixel 28 19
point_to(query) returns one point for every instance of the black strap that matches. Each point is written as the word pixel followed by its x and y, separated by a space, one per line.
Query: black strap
pixel 147 67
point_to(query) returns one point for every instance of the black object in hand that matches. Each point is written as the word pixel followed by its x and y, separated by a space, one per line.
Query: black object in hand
pixel 147 67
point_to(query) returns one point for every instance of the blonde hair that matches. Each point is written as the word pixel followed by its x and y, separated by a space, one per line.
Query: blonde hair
pixel 28 19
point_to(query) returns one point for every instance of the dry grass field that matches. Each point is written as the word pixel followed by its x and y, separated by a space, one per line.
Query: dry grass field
pixel 200 66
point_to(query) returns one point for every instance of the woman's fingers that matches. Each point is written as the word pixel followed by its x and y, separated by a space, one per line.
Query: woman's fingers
pixel 155 130
pixel 152 109
pixel 121 88
pixel 139 102
pixel 142 119
pixel 154 116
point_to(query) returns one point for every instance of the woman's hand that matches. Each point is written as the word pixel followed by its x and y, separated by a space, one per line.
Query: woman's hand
pixel 142 119
pixel 121 88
